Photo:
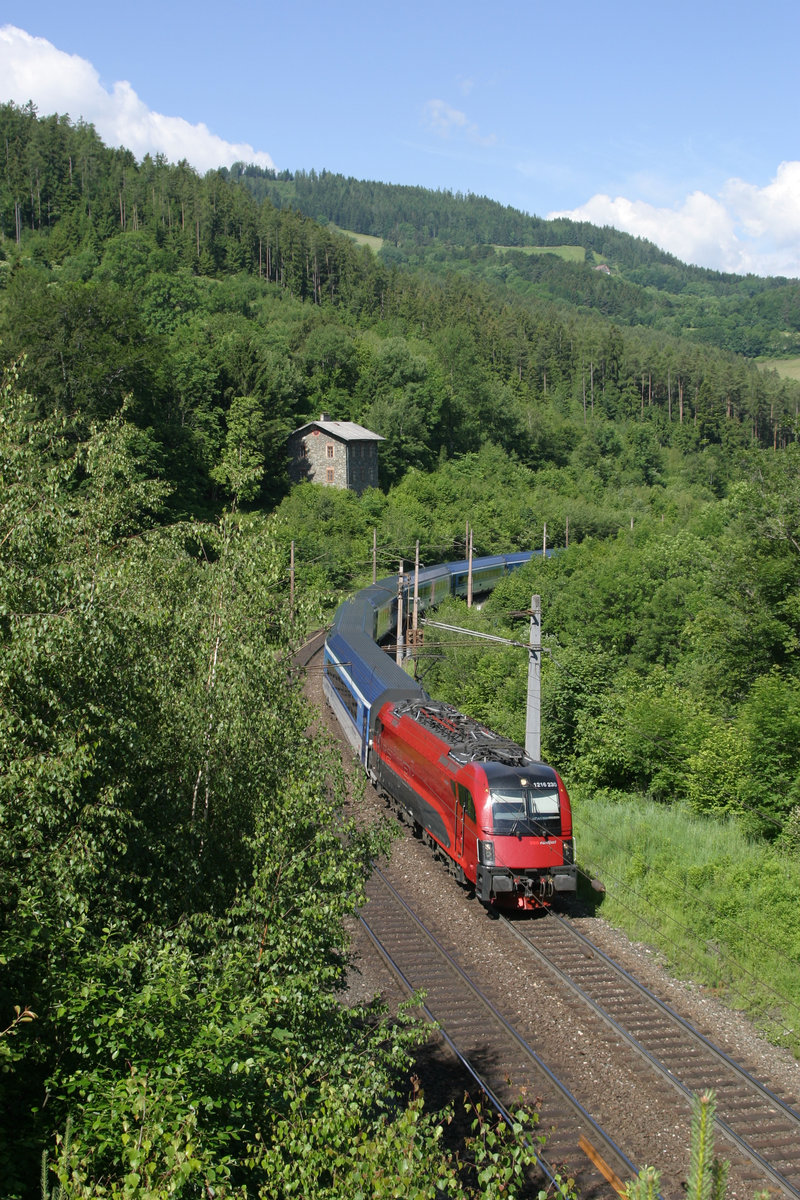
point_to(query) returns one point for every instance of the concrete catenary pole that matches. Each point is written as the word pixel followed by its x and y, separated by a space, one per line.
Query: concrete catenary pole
pixel 533 714
pixel 469 572
pixel 400 618
pixel 415 622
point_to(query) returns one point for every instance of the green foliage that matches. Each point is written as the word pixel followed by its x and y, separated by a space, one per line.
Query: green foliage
pixel 241 468
pixel 708 1175
pixel 789 839
pixel 646 1185
pixel 716 770
pixel 768 725
pixel 640 737
pixel 142 282
pixel 176 867
pixel 402 399
pixel 161 806
pixel 332 529
pixel 86 349
pixel 396 1155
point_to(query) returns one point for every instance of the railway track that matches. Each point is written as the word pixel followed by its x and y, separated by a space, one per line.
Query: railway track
pixel 669 1056
pixel 761 1125
pixel 498 1056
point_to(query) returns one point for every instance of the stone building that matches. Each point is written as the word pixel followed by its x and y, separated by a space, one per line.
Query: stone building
pixel 334 453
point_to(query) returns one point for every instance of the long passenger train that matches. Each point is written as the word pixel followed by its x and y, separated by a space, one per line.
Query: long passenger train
pixel 502 820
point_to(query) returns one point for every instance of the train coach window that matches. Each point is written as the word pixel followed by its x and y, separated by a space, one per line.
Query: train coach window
pixel 343 691
pixel 509 810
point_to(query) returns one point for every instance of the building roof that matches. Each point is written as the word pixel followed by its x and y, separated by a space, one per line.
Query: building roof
pixel 346 431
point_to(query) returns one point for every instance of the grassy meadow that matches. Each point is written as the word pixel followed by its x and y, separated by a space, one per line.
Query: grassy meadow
pixel 362 239
pixel 787 368
pixel 720 908
pixel 568 253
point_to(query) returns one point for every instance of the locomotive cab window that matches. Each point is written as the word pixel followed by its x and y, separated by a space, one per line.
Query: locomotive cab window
pixel 525 810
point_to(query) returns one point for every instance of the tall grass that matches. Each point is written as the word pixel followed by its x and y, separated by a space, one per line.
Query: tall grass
pixel 723 909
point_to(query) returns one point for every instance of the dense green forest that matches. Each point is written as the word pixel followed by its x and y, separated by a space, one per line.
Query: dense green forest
pixel 175 858
pixel 646 287
pixel 145 282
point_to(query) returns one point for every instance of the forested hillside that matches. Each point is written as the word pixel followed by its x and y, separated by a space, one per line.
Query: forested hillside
pixel 172 843
pixel 646 286
pixel 224 323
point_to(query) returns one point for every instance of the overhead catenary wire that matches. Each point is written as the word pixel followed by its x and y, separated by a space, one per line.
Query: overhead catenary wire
pixel 677 886
pixel 646 735
pixel 668 752
pixel 759 981
pixel 681 886
pixel 662 744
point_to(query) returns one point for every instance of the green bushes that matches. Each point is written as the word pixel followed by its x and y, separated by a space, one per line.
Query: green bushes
pixel 176 867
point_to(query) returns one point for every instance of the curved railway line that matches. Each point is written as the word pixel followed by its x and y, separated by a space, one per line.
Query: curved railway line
pixel 643 1049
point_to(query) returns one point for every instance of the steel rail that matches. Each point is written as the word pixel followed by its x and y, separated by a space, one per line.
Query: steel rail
pixel 573 1103
pixel 494 1100
pixel 714 1049
pixel 745 1148
pixel 303 656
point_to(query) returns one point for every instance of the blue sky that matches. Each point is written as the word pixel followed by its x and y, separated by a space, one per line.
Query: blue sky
pixel 675 121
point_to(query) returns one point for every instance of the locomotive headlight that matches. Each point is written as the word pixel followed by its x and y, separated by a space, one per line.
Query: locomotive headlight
pixel 486 854
pixel 569 851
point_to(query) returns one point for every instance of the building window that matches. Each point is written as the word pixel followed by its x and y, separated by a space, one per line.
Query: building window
pixel 303 450
pixel 329 474
pixel 329 449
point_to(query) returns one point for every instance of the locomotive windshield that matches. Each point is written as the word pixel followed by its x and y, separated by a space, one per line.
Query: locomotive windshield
pixel 526 810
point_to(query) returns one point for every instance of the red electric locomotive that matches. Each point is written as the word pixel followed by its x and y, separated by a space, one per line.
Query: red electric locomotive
pixel 503 820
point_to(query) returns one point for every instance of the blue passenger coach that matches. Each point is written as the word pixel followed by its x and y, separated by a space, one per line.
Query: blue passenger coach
pixel 359 676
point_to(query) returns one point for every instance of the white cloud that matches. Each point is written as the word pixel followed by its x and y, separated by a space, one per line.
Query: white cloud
pixel 444 121
pixel 746 229
pixel 33 69
pixel 772 211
